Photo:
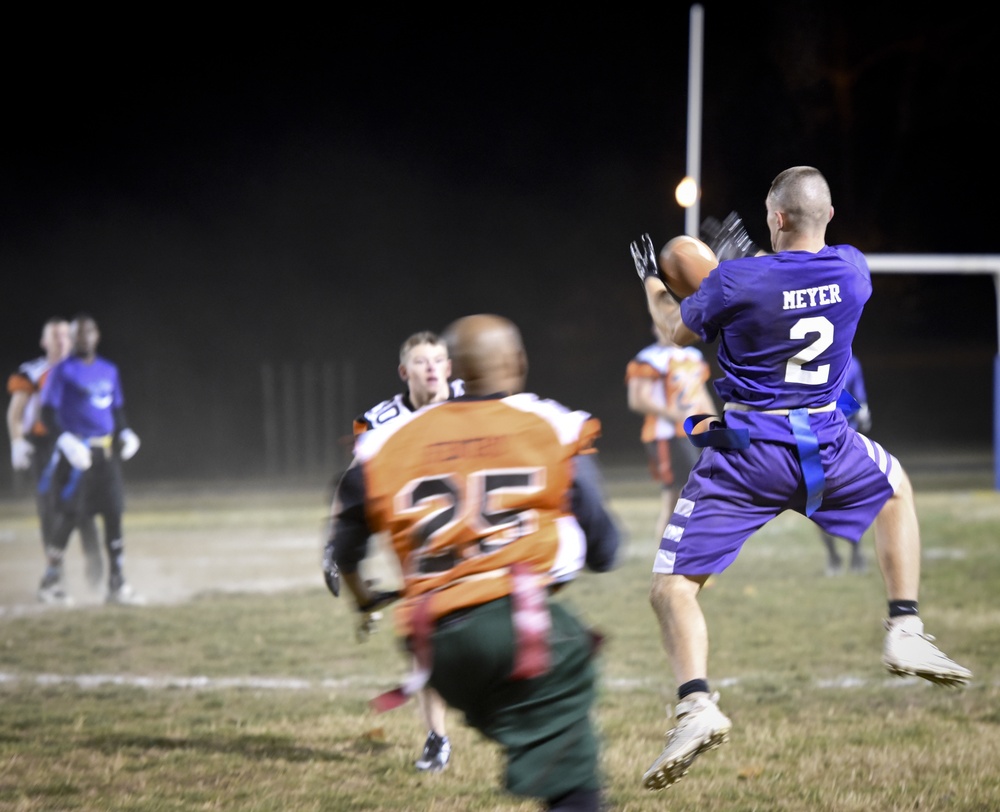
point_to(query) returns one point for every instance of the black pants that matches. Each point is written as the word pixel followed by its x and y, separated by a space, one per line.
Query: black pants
pixel 42 469
pixel 81 495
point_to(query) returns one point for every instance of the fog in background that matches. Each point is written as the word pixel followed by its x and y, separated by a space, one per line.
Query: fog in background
pixel 271 219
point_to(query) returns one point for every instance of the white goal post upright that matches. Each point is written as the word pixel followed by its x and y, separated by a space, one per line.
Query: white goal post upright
pixel 948 264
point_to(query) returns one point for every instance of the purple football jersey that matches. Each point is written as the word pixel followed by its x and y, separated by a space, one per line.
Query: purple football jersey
pixel 84 395
pixel 785 324
pixel 789 319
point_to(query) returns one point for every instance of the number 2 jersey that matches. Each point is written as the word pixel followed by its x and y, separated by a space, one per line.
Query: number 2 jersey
pixel 468 487
pixel 787 323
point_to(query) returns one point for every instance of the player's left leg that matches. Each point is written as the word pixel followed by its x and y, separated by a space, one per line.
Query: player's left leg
pixel 91 542
pixel 108 494
pixel 834 563
pixel 858 562
pixel 908 650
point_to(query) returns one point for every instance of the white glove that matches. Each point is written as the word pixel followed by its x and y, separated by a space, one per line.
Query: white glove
pixel 130 443
pixel 863 419
pixel 20 454
pixel 74 450
pixel 367 626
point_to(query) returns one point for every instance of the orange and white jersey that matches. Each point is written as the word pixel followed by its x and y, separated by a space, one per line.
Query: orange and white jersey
pixel 468 487
pixel 30 378
pixel 388 410
pixel 681 374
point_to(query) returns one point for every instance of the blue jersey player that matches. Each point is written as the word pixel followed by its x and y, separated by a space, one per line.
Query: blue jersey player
pixel 860 420
pixel 83 406
pixel 784 324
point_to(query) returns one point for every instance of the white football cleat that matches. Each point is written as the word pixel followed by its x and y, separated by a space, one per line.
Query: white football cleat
pixel 909 652
pixel 124 595
pixel 701 727
pixel 51 589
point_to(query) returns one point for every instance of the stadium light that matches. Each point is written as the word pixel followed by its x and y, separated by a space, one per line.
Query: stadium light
pixel 687 192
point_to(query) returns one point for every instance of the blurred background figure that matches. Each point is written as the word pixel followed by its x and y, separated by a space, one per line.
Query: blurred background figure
pixel 31 444
pixel 84 408
pixel 666 384
pixel 425 368
pixel 861 420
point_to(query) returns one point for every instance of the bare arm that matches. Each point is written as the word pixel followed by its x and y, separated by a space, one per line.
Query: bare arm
pixel 15 414
pixel 641 400
pixel 666 312
pixel 640 395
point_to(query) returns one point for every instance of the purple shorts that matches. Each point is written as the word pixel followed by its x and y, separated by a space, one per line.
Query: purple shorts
pixel 732 493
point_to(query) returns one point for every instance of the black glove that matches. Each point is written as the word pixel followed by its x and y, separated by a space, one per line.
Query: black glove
pixel 331 572
pixel 728 239
pixel 645 258
pixel 371 614
pixel 379 600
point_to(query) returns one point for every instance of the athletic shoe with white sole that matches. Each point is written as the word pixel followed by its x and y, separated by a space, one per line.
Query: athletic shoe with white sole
pixel 701 727
pixel 437 751
pixel 909 652
pixel 51 589
pixel 123 594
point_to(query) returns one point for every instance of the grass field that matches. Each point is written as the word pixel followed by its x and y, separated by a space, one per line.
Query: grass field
pixel 240 685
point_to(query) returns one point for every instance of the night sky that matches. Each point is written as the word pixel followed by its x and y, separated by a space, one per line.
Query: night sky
pixel 294 193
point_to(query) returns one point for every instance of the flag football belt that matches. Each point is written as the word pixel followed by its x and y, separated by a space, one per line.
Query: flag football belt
pixel 806 442
pixel 103 442
pixel 807 445
pixel 531 623
pixel 743 407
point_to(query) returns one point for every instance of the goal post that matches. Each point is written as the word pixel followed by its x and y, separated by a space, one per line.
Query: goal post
pixel 947 264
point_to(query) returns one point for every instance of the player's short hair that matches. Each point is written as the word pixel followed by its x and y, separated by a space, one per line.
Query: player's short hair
pixel 803 193
pixel 415 340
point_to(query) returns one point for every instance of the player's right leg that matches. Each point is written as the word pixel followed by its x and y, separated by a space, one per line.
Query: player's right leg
pixel 65 489
pixel 51 589
pixel 712 520
pixel 437 747
pixel 701 726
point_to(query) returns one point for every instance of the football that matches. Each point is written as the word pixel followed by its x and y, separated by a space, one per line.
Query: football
pixel 684 262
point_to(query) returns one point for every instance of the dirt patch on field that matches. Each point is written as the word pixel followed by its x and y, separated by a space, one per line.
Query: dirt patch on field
pixel 180 543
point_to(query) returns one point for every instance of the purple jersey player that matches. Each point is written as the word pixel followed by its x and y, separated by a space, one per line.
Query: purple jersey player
pixel 83 406
pixel 784 324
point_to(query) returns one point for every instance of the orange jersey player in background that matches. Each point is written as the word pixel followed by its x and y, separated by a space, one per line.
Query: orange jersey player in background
pixel 666 384
pixel 425 368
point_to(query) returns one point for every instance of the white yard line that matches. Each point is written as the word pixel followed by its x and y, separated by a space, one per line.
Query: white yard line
pixel 199 683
